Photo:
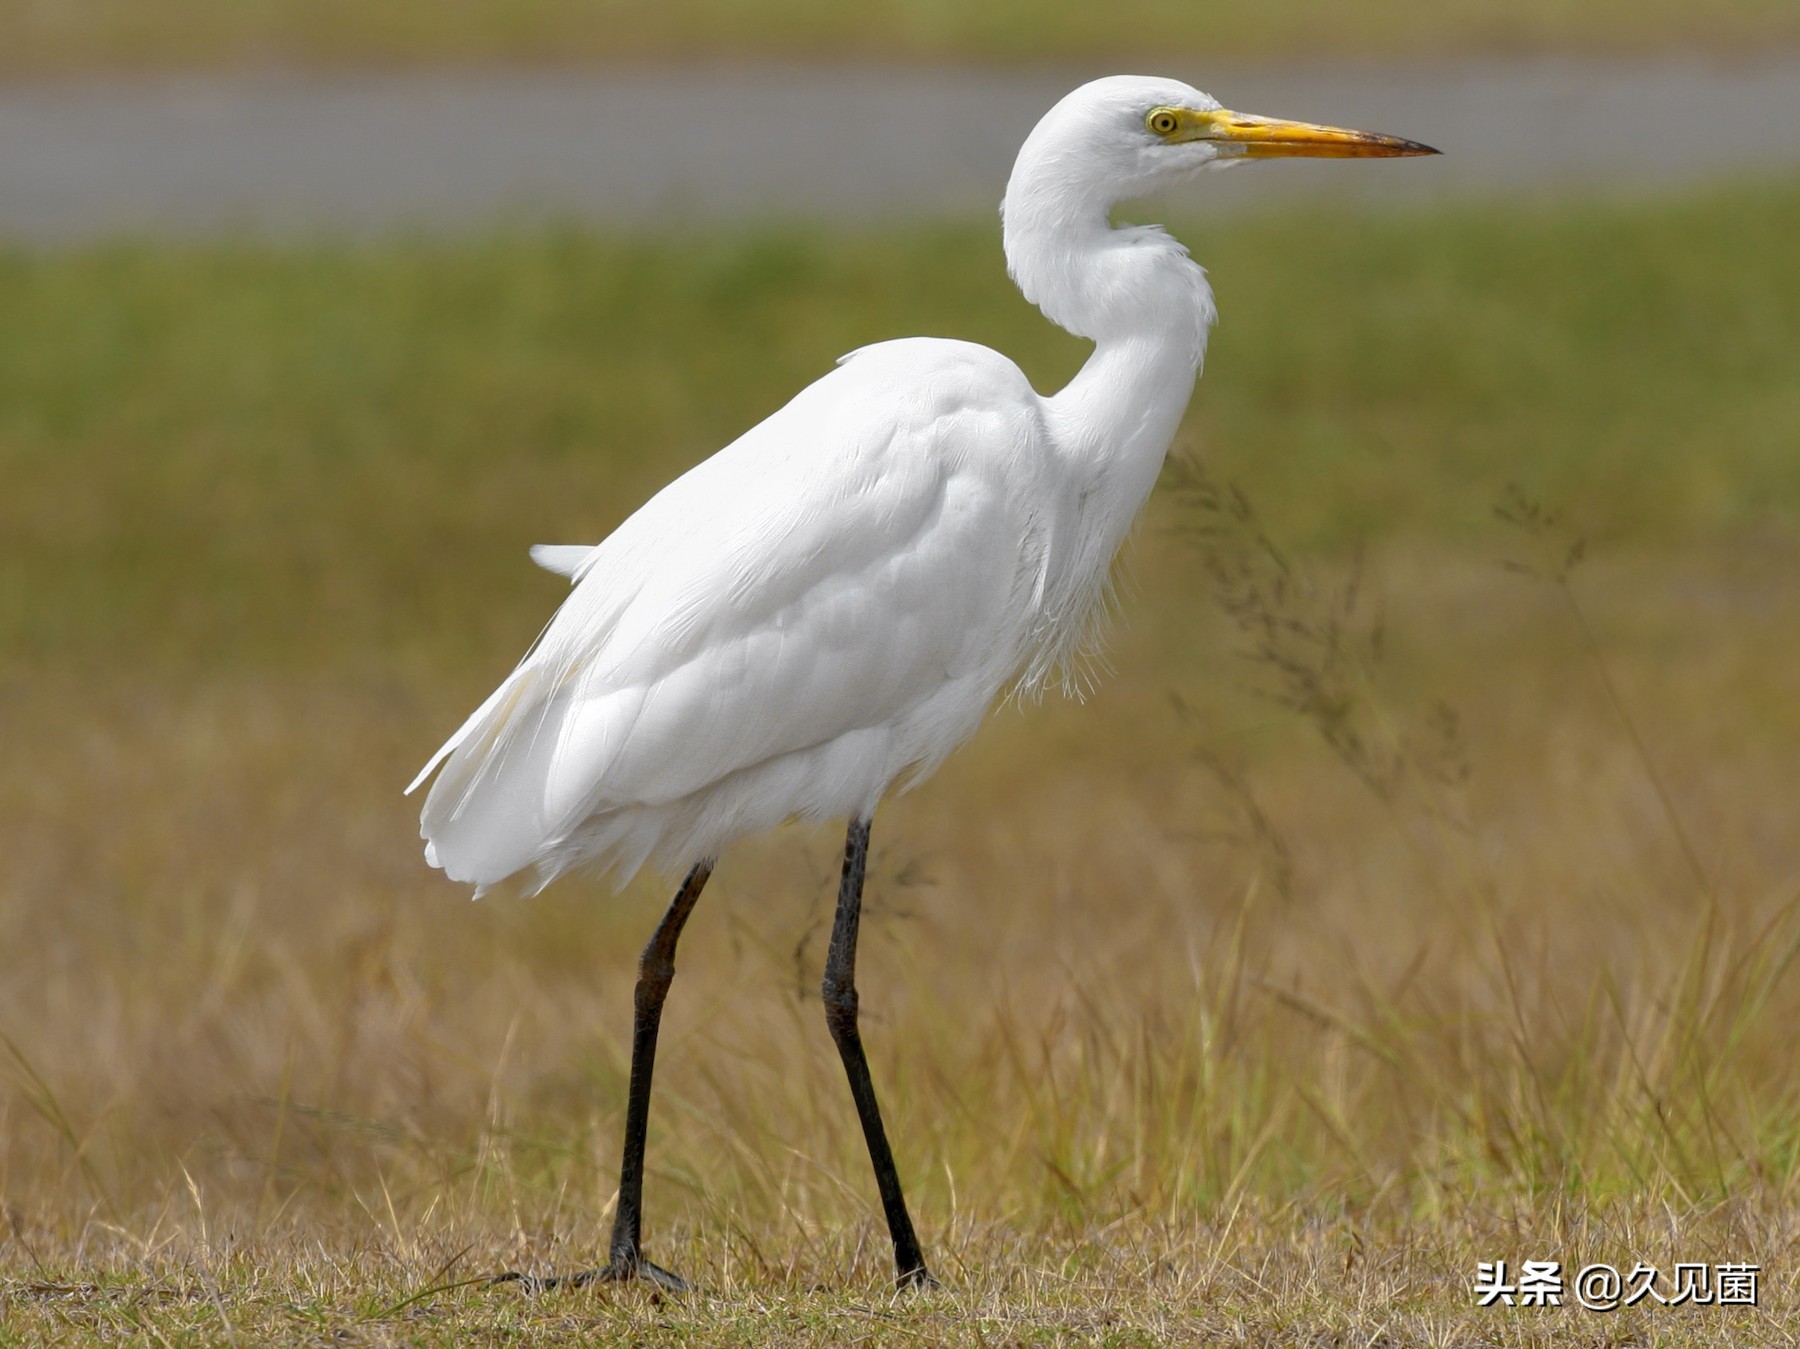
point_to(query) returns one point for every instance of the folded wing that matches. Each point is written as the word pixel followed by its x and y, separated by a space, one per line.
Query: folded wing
pixel 843 578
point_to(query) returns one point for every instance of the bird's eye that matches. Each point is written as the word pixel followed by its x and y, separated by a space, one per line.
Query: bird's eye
pixel 1162 121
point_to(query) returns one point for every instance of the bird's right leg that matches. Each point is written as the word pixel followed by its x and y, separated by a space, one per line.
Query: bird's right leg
pixel 656 971
pixel 841 1003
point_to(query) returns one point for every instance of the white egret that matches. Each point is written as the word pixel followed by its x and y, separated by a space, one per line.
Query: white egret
pixel 833 602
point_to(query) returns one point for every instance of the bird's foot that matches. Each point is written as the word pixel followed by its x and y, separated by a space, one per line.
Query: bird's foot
pixel 615 1271
pixel 916 1278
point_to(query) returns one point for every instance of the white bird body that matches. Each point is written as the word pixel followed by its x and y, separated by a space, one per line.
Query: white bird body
pixel 836 599
pixel 783 630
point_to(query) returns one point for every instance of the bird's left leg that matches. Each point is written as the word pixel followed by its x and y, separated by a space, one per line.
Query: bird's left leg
pixel 840 1014
pixel 656 971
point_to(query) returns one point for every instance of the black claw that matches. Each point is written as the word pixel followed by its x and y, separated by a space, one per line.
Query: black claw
pixel 917 1277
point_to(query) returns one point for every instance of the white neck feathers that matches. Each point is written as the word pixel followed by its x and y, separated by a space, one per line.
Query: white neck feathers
pixel 1146 306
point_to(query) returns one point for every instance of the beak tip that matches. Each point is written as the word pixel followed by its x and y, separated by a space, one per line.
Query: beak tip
pixel 1401 146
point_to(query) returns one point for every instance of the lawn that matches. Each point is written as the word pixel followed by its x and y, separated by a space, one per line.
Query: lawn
pixel 76 35
pixel 1420 888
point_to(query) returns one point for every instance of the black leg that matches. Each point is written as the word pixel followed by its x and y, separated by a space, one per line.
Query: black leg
pixel 840 1014
pixel 656 970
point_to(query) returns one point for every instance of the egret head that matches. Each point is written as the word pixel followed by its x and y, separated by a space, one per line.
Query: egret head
pixel 1131 135
pixel 1125 137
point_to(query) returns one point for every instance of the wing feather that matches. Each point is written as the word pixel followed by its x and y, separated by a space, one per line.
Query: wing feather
pixel 562 559
pixel 826 573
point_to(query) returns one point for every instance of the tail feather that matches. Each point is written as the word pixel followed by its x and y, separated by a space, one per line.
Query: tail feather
pixel 483 819
pixel 505 694
pixel 523 775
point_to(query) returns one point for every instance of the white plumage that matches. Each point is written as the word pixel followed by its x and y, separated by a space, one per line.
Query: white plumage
pixel 833 602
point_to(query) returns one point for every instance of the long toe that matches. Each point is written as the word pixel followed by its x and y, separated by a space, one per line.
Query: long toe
pixel 662 1278
pixel 533 1284
pixel 619 1271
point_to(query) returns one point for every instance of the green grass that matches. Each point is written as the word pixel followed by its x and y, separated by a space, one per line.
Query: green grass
pixel 377 434
pixel 1255 999
pixel 123 34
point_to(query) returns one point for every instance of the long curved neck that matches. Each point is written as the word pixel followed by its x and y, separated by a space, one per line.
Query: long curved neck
pixel 1146 306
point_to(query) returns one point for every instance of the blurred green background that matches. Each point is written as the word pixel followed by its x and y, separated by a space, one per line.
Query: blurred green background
pixel 101 34
pixel 332 454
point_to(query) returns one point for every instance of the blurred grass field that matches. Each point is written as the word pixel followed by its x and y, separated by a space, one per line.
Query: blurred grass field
pixel 1235 1003
pixel 59 36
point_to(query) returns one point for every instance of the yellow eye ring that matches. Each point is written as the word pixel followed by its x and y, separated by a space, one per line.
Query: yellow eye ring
pixel 1162 121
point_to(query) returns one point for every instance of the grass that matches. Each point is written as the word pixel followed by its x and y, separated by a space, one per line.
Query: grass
pixel 1375 918
pixel 73 35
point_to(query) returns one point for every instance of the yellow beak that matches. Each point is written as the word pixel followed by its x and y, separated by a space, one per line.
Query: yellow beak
pixel 1269 137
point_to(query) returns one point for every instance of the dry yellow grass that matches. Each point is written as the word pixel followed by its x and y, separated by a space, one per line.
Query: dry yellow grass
pixel 1177 1022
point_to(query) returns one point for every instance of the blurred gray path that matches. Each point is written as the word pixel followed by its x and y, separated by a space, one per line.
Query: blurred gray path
pixel 296 155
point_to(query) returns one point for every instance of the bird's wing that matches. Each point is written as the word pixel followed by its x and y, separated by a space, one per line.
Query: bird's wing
pixel 826 573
